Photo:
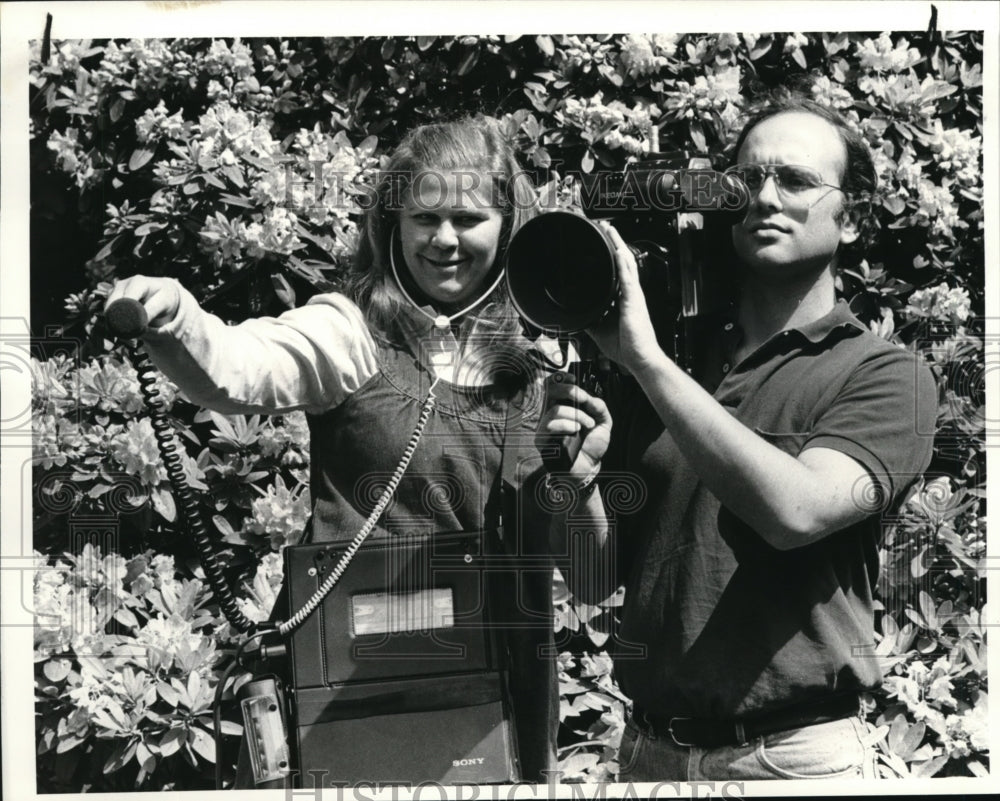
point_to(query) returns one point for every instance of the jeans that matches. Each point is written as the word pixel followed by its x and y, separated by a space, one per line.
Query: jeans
pixel 834 750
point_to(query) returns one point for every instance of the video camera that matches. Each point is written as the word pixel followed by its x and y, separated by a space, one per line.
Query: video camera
pixel 561 270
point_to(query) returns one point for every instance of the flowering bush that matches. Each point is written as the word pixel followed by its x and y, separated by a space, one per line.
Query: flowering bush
pixel 124 705
pixel 237 167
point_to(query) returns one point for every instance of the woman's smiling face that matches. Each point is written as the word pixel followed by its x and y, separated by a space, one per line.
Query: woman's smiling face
pixel 450 233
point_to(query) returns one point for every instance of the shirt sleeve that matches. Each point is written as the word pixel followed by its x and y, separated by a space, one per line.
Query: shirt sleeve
pixel 884 417
pixel 309 358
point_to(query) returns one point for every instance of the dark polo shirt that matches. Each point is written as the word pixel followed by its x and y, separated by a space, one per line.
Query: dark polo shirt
pixel 727 624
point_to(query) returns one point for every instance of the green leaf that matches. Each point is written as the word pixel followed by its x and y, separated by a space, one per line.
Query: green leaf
pixel 163 502
pixel 148 228
pixel 284 290
pixel 697 133
pixel 927 769
pixel 425 42
pixel 108 249
pixel 761 48
pixel 234 174
pixel 168 693
pixel 140 158
pixel 56 670
pixel 546 45
pixel 977 769
pixel 587 162
pixel 127 618
pixel 468 63
pixel 171 742
pixel 895 204
pixel 120 757
pixel 202 743
pixel 910 741
pixel 145 757
pixel 231 728
pixel 68 742
pixel 235 200
pixel 102 717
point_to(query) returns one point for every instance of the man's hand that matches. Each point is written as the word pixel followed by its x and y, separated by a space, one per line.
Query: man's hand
pixel 627 336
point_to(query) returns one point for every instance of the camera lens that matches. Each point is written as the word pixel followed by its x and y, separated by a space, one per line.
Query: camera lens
pixel 561 272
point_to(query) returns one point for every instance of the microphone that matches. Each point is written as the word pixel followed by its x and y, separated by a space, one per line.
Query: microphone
pixel 126 318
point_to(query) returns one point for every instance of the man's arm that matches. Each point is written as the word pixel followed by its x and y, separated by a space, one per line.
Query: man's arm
pixel 790 501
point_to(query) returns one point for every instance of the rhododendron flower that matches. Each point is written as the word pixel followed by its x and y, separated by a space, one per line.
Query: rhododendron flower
pixel 883 56
pixel 646 55
pixel 155 124
pixel 830 93
pixel 280 514
pixel 135 450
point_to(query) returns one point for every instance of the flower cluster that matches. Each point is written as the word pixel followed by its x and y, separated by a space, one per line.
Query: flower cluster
pixel 155 124
pixel 618 125
pixel 830 93
pixel 72 158
pixel 714 93
pixel 280 514
pixel 146 690
pixel 292 435
pixel 958 152
pixel 262 594
pixel 643 55
pixel 584 53
pixel 921 686
pixel 136 451
pixel 882 55
pixel 936 208
pixel 940 303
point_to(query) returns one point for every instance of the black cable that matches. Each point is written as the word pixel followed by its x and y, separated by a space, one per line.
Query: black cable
pixel 127 319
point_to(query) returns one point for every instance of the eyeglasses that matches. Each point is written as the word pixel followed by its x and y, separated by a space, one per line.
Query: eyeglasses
pixel 794 181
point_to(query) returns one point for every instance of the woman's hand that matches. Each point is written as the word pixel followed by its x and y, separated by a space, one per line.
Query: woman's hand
pixel 577 420
pixel 627 336
pixel 160 297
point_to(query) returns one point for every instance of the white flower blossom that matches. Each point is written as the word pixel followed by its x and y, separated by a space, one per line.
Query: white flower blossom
pixel 646 55
pixel 958 152
pixel 831 94
pixel 155 124
pixel 280 514
pixel 941 303
pixel 795 41
pixel 882 56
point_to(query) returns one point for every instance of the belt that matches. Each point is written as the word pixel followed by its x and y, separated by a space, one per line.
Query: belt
pixel 707 733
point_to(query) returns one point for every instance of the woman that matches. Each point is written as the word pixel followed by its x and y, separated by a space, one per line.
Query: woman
pixel 425 315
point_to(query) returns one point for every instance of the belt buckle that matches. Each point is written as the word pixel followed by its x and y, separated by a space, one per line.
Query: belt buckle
pixel 670 728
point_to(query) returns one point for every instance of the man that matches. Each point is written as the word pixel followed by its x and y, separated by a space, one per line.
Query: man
pixel 749 570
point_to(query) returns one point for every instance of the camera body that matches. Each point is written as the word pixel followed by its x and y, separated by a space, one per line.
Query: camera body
pixel 671 209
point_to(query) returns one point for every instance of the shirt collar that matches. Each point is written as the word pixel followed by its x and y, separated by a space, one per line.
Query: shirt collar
pixel 838 318
pixel 417 325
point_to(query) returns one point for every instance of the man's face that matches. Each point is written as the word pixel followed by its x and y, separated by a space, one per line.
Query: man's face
pixel 786 235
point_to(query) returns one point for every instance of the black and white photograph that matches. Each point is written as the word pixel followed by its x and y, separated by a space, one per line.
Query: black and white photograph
pixel 498 400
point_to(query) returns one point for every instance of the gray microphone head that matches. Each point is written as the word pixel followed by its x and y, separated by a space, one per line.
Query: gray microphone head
pixel 126 318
